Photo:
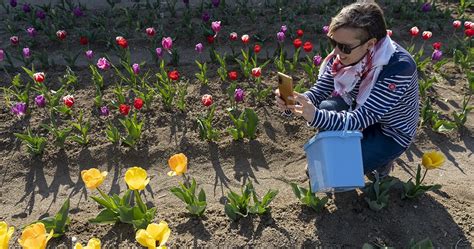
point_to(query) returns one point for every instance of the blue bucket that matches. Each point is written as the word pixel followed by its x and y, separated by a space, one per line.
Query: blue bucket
pixel 335 161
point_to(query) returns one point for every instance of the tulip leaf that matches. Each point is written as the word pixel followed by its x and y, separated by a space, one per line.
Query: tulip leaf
pixel 106 216
pixel 103 202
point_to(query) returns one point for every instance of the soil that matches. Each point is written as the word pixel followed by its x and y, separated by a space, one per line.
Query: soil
pixel 35 187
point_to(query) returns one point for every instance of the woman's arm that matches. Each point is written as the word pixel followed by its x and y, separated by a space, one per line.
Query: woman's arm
pixel 323 87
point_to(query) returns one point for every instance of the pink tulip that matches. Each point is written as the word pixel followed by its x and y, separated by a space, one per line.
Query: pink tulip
pixel 167 43
pixel 216 26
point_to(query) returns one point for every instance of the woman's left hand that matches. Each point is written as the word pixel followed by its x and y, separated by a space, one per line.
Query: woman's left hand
pixel 304 107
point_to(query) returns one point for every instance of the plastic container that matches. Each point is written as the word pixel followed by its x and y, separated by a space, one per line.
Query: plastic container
pixel 335 161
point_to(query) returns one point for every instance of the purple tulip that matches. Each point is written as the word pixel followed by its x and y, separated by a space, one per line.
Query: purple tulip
pixel 26 8
pixel 31 31
pixel 40 101
pixel 205 16
pixel 41 14
pixel 199 47
pixel 426 7
pixel 281 36
pixel 136 68
pixel 215 3
pixel 19 109
pixel 283 29
pixel 104 111
pixel 317 60
pixel 103 63
pixel 186 2
pixel 159 52
pixel 13 3
pixel 239 95
pixel 89 54
pixel 325 29
pixel 437 54
pixel 167 43
pixel 26 53
pixel 77 12
pixel 2 54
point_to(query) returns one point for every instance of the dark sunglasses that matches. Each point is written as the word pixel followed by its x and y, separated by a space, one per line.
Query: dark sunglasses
pixel 346 49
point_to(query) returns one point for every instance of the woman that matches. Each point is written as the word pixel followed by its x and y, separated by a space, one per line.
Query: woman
pixel 369 77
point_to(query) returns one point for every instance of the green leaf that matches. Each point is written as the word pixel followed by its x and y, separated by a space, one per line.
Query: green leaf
pixel 202 196
pixel 271 194
pixel 104 203
pixel 296 190
pixel 230 211
pixel 106 216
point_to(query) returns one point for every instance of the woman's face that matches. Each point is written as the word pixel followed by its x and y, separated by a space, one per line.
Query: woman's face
pixel 346 39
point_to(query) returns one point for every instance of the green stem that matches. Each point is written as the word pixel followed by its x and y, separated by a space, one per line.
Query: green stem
pixel 423 178
pixel 139 200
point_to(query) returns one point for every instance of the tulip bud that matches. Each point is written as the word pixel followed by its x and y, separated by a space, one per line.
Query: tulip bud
pixel 205 16
pixel 245 39
pixel 77 12
pixel 68 100
pixel 138 103
pixel 325 29
pixel 210 39
pixel 283 28
pixel 13 3
pixel 389 32
pixel 40 101
pixel 456 24
pixel 19 109
pixel 103 63
pixel 39 77
pixel 104 111
pixel 26 8
pixel 467 24
pixel 215 3
pixel 308 47
pixel 2 55
pixel 167 43
pixel 124 109
pixel 426 7
pixel 257 48
pixel 31 31
pixel 233 36
pixel 281 36
pixel 173 75
pixel 317 60
pixel 122 42
pixel 299 33
pixel 256 72
pixel 199 48
pixel 40 14
pixel 469 32
pixel 61 34
pixel 437 45
pixel 239 95
pixel 159 52
pixel 150 32
pixel 232 75
pixel 297 43
pixel 437 54
pixel 83 40
pixel 136 68
pixel 426 35
pixel 26 53
pixel 14 40
pixel 216 26
pixel 89 54
pixel 206 100
pixel 414 31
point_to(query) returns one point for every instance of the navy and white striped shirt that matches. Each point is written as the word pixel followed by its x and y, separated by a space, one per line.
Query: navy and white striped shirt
pixel 393 101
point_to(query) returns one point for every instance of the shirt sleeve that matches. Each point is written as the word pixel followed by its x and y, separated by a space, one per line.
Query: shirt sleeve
pixel 390 87
pixel 323 87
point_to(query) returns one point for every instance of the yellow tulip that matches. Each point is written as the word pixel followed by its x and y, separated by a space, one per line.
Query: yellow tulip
pixel 5 234
pixel 93 178
pixel 35 236
pixel 136 178
pixel 92 244
pixel 178 164
pixel 432 160
pixel 153 233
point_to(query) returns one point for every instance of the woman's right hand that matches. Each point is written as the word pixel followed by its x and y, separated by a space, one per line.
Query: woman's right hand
pixel 280 103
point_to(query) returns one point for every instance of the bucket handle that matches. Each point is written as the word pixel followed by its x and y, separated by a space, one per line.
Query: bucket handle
pixel 346 122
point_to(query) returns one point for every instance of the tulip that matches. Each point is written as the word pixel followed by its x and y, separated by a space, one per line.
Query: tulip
pixel 2 55
pixel 210 39
pixel 68 100
pixel 103 63
pixel 83 40
pixel 77 12
pixel 308 47
pixel 432 160
pixel 159 52
pixel 93 178
pixel 233 36
pixel 40 101
pixel 199 48
pixel 104 111
pixel 61 34
pixel 469 32
pixel 124 109
pixel 426 7
pixel 136 178
pixel 325 29
pixel 414 31
pixel 317 60
pixel 239 95
pixel 150 32
pixel 467 25
pixel 89 54
pixel 206 100
pixel 205 16
pixel 26 8
pixel 35 236
pixel 215 3
pixel 173 75
pixel 13 3
pixel 153 233
pixel 122 42
pixel 245 39
pixel 93 243
pixel 31 31
pixel 299 33
pixel 5 234
pixel 281 36
pixel 257 48
pixel 26 53
pixel 256 72
pixel 216 26
pixel 437 45
pixel 437 54
pixel 186 2
pixel 136 68
pixel 426 35
pixel 167 43
pixel 138 103
pixel 389 32
pixel 14 40
pixel 232 75
pixel 178 164
pixel 39 77
pixel 283 28
pixel 297 43
pixel 456 24
pixel 19 109
pixel 40 14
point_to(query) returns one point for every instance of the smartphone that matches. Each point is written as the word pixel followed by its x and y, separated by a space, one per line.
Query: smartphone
pixel 285 86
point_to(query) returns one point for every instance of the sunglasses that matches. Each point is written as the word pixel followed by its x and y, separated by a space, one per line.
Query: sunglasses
pixel 346 49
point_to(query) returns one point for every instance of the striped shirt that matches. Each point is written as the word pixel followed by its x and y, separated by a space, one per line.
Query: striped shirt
pixel 393 101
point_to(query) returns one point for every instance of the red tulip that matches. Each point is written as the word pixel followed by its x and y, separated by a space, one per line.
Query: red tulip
pixel 389 32
pixel 38 77
pixel 308 47
pixel 232 75
pixel 83 40
pixel 426 35
pixel 233 36
pixel 210 39
pixel 138 103
pixel 468 25
pixel 150 32
pixel 469 32
pixel 257 48
pixel 256 72
pixel 299 33
pixel 61 34
pixel 206 100
pixel 437 45
pixel 414 31
pixel 245 39
pixel 297 43
pixel 68 100
pixel 122 42
pixel 173 75
pixel 456 24
pixel 124 109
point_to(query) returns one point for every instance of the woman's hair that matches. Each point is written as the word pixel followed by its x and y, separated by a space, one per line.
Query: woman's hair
pixel 364 15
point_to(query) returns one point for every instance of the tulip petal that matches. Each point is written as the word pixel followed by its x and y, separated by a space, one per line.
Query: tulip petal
pixel 160 232
pixel 144 238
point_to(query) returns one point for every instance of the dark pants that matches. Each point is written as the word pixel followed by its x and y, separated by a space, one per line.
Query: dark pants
pixel 377 149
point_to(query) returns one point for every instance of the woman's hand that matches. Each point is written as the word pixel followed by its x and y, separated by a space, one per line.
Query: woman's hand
pixel 303 106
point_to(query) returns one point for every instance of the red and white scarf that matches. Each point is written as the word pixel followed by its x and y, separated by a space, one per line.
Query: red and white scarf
pixel 367 70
